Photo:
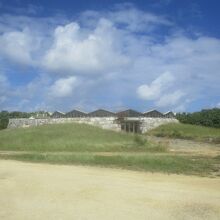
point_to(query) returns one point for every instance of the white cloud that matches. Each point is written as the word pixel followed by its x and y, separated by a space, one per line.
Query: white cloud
pixel 154 90
pixel 113 52
pixel 137 20
pixel 171 99
pixel 73 50
pixel 17 46
pixel 63 87
pixel 162 91
pixel 132 19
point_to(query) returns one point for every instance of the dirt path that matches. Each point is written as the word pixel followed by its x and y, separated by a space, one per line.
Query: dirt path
pixel 41 191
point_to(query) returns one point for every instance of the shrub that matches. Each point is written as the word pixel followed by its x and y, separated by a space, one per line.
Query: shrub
pixel 3 123
pixel 208 117
pixel 139 140
pixel 176 134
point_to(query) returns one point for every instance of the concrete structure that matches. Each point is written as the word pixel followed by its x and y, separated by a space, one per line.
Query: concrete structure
pixel 103 122
pixel 130 124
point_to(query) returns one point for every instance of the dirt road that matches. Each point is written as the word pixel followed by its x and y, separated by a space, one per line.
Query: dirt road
pixel 41 191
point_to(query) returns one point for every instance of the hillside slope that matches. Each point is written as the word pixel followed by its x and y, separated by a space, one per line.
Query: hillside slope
pixel 187 131
pixel 67 137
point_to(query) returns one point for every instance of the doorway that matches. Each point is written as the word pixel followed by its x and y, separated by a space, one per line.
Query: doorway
pixel 130 126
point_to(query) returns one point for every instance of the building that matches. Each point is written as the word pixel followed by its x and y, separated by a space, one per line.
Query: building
pixel 153 114
pixel 101 113
pixel 129 113
pixel 169 115
pixel 128 120
pixel 58 114
pixel 75 114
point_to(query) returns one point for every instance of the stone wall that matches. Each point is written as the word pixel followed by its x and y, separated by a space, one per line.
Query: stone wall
pixel 150 123
pixel 103 122
pixel 106 123
pixel 147 123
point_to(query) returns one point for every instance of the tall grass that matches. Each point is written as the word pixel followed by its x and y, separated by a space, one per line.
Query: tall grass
pixel 147 162
pixel 186 131
pixel 72 137
pixel 88 145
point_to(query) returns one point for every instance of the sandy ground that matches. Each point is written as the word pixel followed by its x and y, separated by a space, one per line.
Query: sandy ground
pixel 42 191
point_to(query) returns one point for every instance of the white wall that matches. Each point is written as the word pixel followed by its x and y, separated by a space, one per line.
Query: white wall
pixel 103 122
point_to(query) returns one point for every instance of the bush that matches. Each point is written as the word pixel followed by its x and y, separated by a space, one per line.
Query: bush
pixel 139 140
pixel 176 134
pixel 209 118
pixel 3 123
pixel 5 115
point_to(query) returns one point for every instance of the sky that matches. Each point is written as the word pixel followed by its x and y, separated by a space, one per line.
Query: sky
pixel 90 54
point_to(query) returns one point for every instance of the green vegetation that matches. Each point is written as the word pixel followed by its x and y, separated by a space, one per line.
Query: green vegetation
pixel 185 131
pixel 88 145
pixel 3 119
pixel 5 116
pixel 73 138
pixel 209 117
pixel 153 162
pixel 3 123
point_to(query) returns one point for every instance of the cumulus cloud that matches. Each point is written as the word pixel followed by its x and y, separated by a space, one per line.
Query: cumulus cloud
pixel 171 99
pixel 76 51
pixel 154 90
pixel 18 46
pixel 117 55
pixel 161 91
pixel 63 87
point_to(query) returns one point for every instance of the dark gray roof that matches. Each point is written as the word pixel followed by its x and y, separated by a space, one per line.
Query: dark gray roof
pixel 129 113
pixel 154 114
pixel 101 113
pixel 169 114
pixel 75 114
pixel 58 114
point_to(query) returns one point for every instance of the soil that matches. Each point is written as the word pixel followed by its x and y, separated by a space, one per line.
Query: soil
pixel 43 191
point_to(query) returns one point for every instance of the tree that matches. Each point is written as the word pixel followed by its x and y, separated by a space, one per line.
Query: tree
pixel 207 117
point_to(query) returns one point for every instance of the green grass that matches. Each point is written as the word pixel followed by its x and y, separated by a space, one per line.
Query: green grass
pixel 73 138
pixel 147 162
pixel 88 145
pixel 186 131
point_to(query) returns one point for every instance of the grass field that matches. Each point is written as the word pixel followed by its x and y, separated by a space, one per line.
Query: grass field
pixel 186 131
pixel 72 138
pixel 153 162
pixel 88 145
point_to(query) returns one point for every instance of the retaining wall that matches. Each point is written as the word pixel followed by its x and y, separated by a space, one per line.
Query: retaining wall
pixel 103 122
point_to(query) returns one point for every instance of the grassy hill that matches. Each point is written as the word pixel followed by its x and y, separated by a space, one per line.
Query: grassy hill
pixel 88 145
pixel 71 137
pixel 187 131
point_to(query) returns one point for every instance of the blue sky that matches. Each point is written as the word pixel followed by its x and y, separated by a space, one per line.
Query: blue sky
pixel 60 55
